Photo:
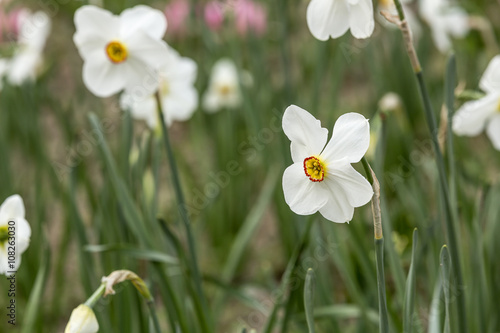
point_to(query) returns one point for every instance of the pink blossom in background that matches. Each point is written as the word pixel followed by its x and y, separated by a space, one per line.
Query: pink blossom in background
pixel 177 13
pixel 250 17
pixel 13 22
pixel 214 14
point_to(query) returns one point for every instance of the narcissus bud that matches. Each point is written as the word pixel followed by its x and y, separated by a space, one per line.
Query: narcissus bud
pixel 82 320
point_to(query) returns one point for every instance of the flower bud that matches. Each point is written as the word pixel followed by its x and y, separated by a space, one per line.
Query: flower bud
pixel 82 320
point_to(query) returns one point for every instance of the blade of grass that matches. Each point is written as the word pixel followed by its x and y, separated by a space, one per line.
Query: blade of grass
pixel 309 299
pixel 445 276
pixel 409 301
pixel 435 310
pixel 134 252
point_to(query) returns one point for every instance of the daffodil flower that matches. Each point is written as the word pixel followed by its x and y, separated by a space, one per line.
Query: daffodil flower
pixel 321 177
pixel 120 51
pixel 15 233
pixel 178 95
pixel 472 118
pixel 224 88
pixel 82 320
pixel 332 18
pixel 446 20
pixel 27 61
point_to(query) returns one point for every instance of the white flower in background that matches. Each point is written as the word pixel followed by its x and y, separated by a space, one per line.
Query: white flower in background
pixel 321 177
pixel 120 51
pixel 82 320
pixel 474 116
pixel 446 20
pixel 27 61
pixel 224 88
pixel 178 95
pixel 13 223
pixel 389 6
pixel 332 18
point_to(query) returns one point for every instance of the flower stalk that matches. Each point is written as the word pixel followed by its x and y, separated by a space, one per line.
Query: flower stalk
pixel 183 212
pixel 400 21
pixel 379 246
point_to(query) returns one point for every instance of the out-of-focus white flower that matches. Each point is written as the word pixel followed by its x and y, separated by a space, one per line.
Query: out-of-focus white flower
pixel 474 116
pixel 332 18
pixel 27 61
pixel 446 20
pixel 321 177
pixel 15 233
pixel 120 51
pixel 82 320
pixel 390 102
pixel 224 88
pixel 389 6
pixel 178 95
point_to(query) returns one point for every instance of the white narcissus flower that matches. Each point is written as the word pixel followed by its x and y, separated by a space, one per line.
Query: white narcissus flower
pixel 178 95
pixel 321 177
pixel 472 117
pixel 28 58
pixel 224 88
pixel 13 224
pixel 82 320
pixel 120 51
pixel 446 20
pixel 332 18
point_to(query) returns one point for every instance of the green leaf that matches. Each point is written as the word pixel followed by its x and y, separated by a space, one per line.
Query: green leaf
pixel 132 251
pixel 309 299
pixel 409 299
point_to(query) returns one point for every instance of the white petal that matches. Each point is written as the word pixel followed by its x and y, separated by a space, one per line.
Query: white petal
pixel 4 267
pixel 104 78
pixel 180 103
pixel 95 27
pixel 356 188
pixel 350 138
pixel 493 131
pixel 211 101
pixel 327 18
pixel 24 66
pixel 490 81
pixel 337 208
pixel 302 195
pixel 361 20
pixel 23 234
pixel 305 132
pixel 441 38
pixel 147 19
pixel 471 117
pixel 141 108
pixel 152 52
pixel 34 31
pixel 12 208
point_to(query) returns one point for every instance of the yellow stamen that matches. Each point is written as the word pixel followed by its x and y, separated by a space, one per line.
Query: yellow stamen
pixel 224 89
pixel 4 234
pixel 117 52
pixel 314 169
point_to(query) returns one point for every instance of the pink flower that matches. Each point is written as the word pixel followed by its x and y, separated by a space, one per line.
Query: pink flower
pixel 250 17
pixel 214 14
pixel 13 22
pixel 177 12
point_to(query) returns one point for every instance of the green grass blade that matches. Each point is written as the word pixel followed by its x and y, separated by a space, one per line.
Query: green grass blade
pixel 309 299
pixel 34 307
pixel 445 276
pixel 409 301
pixel 134 252
pixel 382 301
pixel 434 325
pixel 346 311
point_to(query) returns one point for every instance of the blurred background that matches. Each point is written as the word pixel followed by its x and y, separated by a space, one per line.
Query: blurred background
pixel 231 163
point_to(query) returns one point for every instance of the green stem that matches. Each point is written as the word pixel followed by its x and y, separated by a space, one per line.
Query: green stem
pixel 183 212
pixel 368 171
pixel 450 223
pixel 96 296
pixel 382 301
pixel 152 310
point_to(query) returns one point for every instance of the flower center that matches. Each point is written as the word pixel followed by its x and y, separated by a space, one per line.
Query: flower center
pixel 224 89
pixel 314 169
pixel 116 51
pixel 498 106
pixel 4 235
pixel 164 87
